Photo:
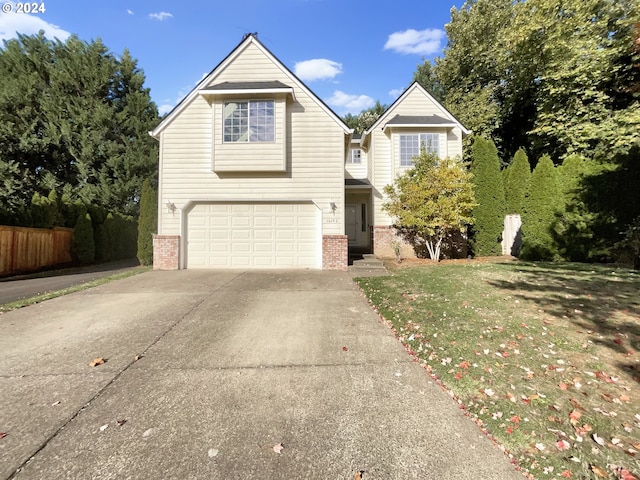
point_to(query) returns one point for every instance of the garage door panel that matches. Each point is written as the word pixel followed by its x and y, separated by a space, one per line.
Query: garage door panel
pixel 260 235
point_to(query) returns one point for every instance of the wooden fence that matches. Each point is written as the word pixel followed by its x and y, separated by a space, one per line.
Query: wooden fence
pixel 30 249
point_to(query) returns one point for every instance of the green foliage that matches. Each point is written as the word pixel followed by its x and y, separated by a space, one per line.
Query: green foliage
pixel 365 119
pixel 516 182
pixel 572 227
pixel 73 115
pixel 431 200
pixel 541 206
pixel 147 223
pixel 489 194
pixel 628 249
pixel 83 246
pixel 560 76
pixel 426 76
pixel 44 210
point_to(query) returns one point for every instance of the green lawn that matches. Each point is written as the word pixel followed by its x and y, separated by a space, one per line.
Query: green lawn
pixel 544 357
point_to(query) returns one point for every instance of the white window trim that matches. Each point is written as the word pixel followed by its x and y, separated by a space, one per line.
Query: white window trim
pixel 352 156
pixel 248 102
pixel 409 163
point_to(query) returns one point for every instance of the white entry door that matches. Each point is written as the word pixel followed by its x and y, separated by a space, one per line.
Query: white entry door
pixel 356 224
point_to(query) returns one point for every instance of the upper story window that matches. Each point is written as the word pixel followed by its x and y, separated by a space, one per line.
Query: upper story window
pixel 410 146
pixel 250 121
pixel 356 156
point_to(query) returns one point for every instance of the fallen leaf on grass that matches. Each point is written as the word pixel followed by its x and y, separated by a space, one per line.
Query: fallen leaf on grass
pixel 600 472
pixel 623 473
pixel 121 422
pixel 97 361
pixel 344 349
pixel 563 445
pixel 566 474
pixel 278 448
pixel 599 440
pixel 359 475
pixel 137 357
pixel 574 416
pixel 104 427
pixel 3 434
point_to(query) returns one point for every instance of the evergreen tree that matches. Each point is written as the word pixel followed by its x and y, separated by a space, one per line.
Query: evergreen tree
pixel 489 194
pixel 572 227
pixel 147 223
pixel 74 116
pixel 82 244
pixel 541 205
pixel 517 178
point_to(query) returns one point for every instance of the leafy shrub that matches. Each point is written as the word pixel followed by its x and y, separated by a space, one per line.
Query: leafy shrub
pixel 83 247
pixel 488 189
pixel 147 223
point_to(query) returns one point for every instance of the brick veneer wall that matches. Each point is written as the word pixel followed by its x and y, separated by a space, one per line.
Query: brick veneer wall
pixel 456 245
pixel 335 252
pixel 166 252
pixel 383 236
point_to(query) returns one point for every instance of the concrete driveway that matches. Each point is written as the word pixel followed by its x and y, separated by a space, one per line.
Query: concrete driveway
pixel 233 364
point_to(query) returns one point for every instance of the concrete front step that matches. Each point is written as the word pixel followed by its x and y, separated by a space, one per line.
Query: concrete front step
pixel 368 266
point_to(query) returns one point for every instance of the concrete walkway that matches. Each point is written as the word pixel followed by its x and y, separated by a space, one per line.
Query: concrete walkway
pixel 232 364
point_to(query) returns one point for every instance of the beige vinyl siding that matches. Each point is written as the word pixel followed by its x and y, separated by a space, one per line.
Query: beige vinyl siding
pixel 384 151
pixel 382 173
pixel 314 150
pixel 454 142
pixel 356 170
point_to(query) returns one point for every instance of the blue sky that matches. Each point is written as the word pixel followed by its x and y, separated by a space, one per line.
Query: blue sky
pixel 350 53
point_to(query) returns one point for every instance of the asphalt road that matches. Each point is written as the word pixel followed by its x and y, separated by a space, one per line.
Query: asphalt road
pixel 17 288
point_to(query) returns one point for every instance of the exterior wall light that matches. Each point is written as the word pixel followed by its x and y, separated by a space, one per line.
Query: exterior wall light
pixel 171 206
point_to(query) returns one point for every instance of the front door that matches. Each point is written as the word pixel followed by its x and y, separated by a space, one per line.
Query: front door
pixel 351 218
pixel 356 224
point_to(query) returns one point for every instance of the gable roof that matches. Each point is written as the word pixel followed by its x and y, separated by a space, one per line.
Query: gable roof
pixel 247 86
pixel 446 119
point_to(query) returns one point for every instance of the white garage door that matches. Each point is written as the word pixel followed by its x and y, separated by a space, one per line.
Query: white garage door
pixel 254 235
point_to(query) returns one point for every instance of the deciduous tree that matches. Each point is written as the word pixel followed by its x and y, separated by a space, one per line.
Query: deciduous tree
pixel 431 200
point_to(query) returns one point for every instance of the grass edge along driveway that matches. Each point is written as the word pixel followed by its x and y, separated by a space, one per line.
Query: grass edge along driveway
pixel 544 357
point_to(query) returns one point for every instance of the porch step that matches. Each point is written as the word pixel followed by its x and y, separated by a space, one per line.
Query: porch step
pixel 368 266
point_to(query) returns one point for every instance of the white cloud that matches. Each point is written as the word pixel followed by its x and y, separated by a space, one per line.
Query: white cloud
pixel 166 108
pixel 13 23
pixel 130 12
pixel 423 42
pixel 350 103
pixel 160 15
pixel 317 69
pixel 395 93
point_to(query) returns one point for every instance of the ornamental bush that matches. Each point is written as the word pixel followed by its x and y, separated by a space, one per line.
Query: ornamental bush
pixel 541 205
pixel 83 247
pixel 147 223
pixel 489 195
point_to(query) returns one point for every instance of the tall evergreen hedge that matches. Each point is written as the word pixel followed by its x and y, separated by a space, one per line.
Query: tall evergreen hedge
pixel 517 178
pixel 489 194
pixel 83 248
pixel 147 223
pixel 541 205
